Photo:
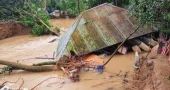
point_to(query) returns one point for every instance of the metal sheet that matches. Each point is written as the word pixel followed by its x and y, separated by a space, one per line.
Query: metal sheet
pixel 91 15
pixel 101 12
pixel 96 28
pixel 79 42
pixel 112 9
pixel 104 33
pixel 107 23
pixel 88 39
pixel 121 23
pixel 61 48
pixel 93 31
pixel 72 47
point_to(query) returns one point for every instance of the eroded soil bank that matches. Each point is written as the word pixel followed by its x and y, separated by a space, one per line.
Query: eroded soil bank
pixel 153 74
pixel 12 29
pixel 9 29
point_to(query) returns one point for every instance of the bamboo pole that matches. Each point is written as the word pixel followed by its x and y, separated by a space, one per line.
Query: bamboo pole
pixel 120 46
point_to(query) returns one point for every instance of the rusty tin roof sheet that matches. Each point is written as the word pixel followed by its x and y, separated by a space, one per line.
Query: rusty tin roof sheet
pixel 97 28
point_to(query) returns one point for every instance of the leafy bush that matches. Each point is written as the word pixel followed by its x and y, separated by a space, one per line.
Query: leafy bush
pixel 39 30
pixel 57 29
pixel 152 12
pixel 28 12
pixel 35 16
pixel 7 13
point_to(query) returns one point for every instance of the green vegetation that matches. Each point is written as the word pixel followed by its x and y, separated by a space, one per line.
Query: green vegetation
pixel 8 10
pixel 57 29
pixel 33 13
pixel 72 6
pixel 28 12
pixel 154 13
pixel 77 6
pixel 6 69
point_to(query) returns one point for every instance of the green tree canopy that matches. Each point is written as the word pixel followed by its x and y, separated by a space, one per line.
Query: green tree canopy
pixel 28 12
pixel 72 5
pixel 154 13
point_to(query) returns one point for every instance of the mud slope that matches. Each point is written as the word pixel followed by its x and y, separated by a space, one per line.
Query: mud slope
pixel 151 76
pixel 12 29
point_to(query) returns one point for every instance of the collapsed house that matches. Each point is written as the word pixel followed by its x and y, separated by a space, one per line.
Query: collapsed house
pixel 97 28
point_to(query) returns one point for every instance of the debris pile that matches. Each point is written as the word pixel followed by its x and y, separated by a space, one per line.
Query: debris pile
pixel 152 73
pixel 71 66
pixel 143 74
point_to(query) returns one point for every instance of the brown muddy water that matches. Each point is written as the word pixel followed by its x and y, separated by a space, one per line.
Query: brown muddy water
pixel 23 48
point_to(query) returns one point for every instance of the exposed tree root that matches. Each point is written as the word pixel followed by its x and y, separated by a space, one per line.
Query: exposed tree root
pixel 30 68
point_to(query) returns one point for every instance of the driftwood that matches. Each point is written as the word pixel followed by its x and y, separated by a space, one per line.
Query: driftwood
pixel 30 68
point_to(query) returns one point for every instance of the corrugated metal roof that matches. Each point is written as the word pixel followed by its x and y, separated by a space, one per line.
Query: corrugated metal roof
pixel 97 28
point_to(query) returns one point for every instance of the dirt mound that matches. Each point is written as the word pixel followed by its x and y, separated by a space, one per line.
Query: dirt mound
pixel 12 29
pixel 152 74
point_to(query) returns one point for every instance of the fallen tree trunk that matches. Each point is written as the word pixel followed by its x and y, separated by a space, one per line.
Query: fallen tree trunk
pixel 29 68
pixel 52 30
pixel 45 63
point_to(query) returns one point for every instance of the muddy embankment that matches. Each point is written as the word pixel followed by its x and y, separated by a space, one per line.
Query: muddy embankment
pixel 153 74
pixel 12 29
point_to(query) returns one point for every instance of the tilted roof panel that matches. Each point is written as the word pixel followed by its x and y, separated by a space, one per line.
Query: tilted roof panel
pixel 97 28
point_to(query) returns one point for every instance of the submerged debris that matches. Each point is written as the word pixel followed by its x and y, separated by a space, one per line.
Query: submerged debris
pixel 6 85
pixel 123 50
pixel 71 66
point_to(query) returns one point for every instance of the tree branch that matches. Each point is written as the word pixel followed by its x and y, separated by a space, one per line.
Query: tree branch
pixel 30 68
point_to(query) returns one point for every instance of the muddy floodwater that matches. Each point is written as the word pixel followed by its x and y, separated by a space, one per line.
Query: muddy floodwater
pixel 26 47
